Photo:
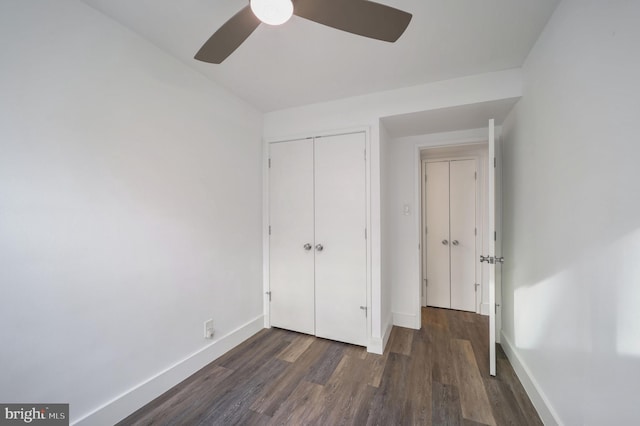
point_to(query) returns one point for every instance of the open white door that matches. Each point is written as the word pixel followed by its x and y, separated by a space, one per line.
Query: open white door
pixel 491 257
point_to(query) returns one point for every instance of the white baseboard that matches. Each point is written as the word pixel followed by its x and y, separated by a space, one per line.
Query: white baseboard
pixel 377 344
pixel 540 401
pixel 135 398
pixel 406 320
pixel 387 334
pixel 484 309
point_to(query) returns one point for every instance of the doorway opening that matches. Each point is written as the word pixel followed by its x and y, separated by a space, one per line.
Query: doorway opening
pixel 454 227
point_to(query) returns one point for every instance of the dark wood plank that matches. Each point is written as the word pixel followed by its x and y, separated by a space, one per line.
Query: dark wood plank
pixel 446 405
pixel 274 394
pixel 252 354
pixel 458 327
pixel 230 407
pixel 478 336
pixel 320 372
pixel 376 364
pixel 434 376
pixel 443 369
pixel 437 318
pixel 400 340
pixel 504 406
pixel 473 396
pixel 505 373
pixel 303 406
pixel 296 348
pixel 354 351
pixel 347 395
pixel 418 409
pixel 171 405
pixel 388 403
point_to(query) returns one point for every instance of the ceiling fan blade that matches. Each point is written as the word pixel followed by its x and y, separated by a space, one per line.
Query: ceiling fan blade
pixel 362 17
pixel 228 37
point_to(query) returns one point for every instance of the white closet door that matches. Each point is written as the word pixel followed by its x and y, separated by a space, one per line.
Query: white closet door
pixel 438 278
pixel 291 270
pixel 340 238
pixel 462 206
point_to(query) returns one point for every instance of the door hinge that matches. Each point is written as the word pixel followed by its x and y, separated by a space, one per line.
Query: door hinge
pixel 475 231
pixel 269 229
pixel 494 162
pixel 268 293
pixel 365 233
pixel 495 236
pixel 475 175
pixel 476 285
pixel 496 307
pixel 269 162
pixel 364 308
pixel 426 230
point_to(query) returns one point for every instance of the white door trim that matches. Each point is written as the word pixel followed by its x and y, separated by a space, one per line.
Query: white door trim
pixel 417 201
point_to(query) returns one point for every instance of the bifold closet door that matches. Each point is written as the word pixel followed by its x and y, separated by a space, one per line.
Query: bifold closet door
pixel 437 206
pixel 462 208
pixel 340 221
pixel 291 216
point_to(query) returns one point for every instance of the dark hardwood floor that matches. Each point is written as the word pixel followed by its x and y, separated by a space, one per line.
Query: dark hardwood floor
pixel 438 375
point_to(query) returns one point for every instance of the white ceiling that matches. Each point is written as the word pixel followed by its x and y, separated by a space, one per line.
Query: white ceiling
pixel 465 117
pixel 302 62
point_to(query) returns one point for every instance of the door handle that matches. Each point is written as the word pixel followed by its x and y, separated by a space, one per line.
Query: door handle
pixel 445 242
pixel 455 242
pixel 319 247
pixel 307 247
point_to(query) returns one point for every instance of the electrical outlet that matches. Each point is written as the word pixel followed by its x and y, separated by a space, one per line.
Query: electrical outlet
pixel 208 329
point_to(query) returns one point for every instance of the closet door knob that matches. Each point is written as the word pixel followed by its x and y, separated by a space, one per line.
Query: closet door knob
pixel 307 247
pixel 445 242
pixel 319 247
pixel 455 242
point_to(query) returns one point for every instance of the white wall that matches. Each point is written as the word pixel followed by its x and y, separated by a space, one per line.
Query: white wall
pixel 366 111
pixel 130 208
pixel 571 234
pixel 385 235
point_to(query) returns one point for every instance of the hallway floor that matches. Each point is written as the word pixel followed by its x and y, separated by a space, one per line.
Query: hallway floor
pixel 434 376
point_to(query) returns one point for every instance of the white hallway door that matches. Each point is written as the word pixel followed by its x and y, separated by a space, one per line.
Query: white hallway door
pixel 318 220
pixel 451 234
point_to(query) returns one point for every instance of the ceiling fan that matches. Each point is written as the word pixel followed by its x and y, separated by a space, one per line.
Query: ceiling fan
pixel 361 17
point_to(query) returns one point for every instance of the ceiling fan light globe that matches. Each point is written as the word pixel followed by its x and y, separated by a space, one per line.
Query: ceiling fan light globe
pixel 272 12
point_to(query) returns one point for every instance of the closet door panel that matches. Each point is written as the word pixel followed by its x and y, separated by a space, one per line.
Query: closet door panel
pixel 437 222
pixel 291 217
pixel 463 243
pixel 340 229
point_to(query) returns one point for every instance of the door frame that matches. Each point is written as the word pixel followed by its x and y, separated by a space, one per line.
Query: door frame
pixel 481 199
pixel 483 229
pixel 373 344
